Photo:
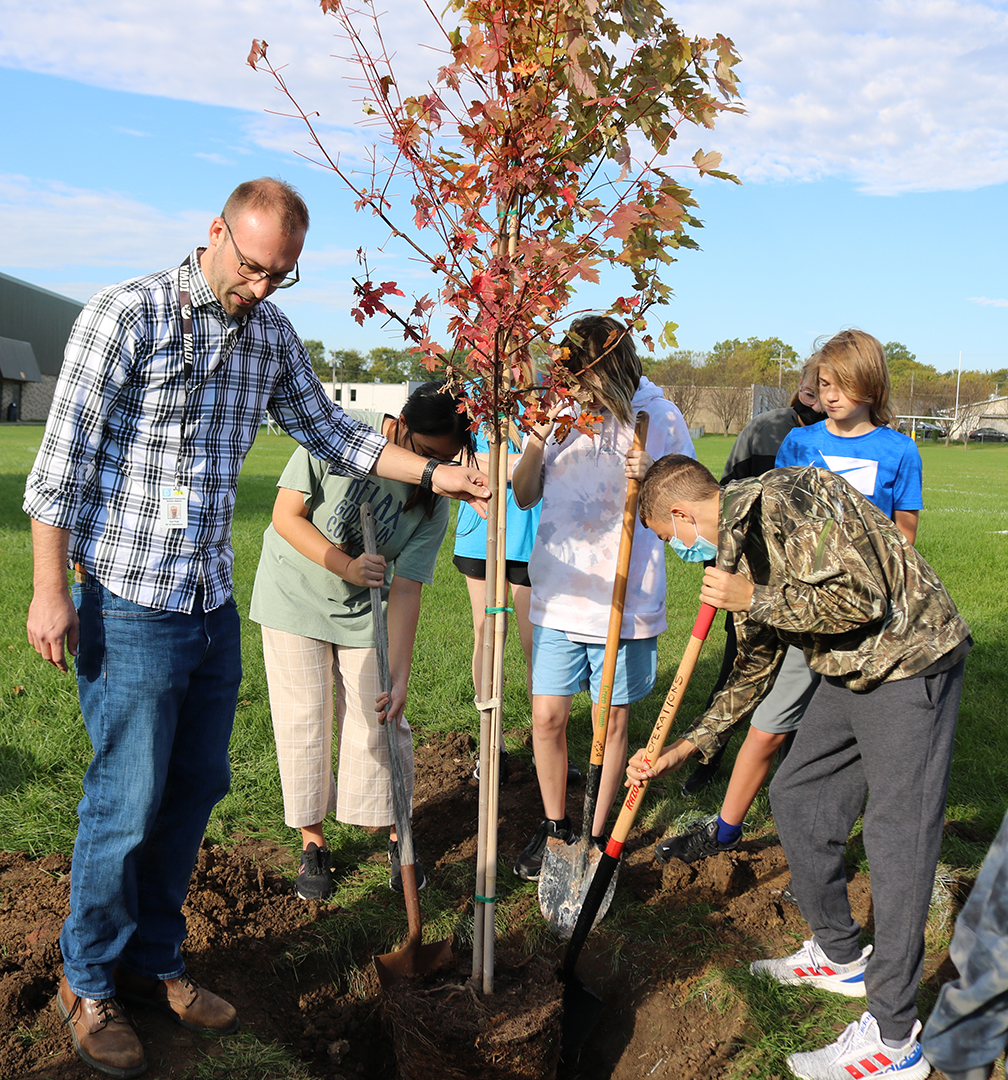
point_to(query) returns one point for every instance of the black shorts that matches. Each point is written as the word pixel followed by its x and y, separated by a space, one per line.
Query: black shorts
pixel 516 572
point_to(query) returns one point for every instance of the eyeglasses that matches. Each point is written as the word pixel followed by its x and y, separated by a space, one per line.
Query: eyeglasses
pixel 254 273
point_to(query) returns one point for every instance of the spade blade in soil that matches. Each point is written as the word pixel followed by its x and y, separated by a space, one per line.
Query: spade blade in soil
pixel 566 876
pixel 393 967
pixel 582 1009
pixel 414 958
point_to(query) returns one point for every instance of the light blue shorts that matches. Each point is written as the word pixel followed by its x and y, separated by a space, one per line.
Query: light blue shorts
pixel 562 667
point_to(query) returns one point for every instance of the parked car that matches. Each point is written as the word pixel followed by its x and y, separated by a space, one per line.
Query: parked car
pixel 925 429
pixel 988 434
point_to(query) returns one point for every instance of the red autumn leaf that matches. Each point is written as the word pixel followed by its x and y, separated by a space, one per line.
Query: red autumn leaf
pixel 257 51
pixel 624 220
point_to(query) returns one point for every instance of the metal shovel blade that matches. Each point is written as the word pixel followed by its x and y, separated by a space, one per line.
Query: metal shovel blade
pixel 393 967
pixel 564 881
pixel 414 958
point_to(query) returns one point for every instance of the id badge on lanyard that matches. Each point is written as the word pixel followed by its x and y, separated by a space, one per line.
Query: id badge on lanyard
pixel 175 507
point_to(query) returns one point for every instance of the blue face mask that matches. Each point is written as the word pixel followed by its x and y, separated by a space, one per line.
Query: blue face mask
pixel 701 550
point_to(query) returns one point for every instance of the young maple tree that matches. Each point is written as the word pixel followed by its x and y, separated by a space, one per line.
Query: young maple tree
pixel 540 151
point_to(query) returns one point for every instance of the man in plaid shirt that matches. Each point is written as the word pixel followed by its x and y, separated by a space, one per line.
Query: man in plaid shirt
pixel 163 388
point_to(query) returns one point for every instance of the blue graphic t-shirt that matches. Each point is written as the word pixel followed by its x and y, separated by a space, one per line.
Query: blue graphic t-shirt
pixel 884 465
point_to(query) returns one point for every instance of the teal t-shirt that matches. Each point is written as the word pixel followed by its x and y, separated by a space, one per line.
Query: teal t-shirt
pixel 294 594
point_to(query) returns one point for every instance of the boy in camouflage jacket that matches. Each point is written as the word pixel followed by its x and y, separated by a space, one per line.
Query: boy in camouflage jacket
pixel 805 559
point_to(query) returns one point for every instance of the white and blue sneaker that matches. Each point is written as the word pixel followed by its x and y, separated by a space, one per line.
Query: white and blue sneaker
pixel 810 966
pixel 860 1054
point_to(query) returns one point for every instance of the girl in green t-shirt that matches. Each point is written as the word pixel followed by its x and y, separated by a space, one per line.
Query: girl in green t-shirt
pixel 312 598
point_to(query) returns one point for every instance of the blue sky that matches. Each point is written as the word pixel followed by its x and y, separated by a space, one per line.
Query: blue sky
pixel 874 156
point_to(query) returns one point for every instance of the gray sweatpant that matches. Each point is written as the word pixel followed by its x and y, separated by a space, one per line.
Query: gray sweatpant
pixel 893 746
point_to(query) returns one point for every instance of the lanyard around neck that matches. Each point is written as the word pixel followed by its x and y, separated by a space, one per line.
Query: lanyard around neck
pixel 189 352
pixel 185 304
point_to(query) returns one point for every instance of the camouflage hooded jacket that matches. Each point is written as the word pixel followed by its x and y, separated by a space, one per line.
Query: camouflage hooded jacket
pixel 832 574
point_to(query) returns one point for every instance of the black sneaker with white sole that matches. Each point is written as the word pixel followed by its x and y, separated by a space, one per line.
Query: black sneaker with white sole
pixel 529 862
pixel 698 843
pixel 395 869
pixel 314 880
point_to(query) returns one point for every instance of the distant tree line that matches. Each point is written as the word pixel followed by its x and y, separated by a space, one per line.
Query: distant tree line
pixel 378 365
pixel 724 375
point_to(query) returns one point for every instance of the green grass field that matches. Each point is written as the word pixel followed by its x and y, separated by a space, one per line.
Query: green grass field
pixel 44 750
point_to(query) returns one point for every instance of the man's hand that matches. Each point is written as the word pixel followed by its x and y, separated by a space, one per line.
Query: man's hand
pixel 53 628
pixel 729 592
pixel 459 482
pixel 671 760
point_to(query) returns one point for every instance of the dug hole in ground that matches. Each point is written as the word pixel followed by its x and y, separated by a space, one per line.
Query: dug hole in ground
pixel 668 1011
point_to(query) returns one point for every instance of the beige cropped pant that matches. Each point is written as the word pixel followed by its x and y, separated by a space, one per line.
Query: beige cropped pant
pixel 303 674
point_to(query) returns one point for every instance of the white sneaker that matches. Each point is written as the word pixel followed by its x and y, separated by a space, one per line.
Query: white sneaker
pixel 810 966
pixel 861 1053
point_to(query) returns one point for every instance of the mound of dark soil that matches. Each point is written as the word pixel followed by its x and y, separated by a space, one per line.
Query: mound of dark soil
pixel 252 941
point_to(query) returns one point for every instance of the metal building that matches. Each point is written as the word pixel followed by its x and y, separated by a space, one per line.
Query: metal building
pixel 34 327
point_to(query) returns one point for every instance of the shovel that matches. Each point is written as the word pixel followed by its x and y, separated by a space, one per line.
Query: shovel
pixel 567 868
pixel 414 958
pixel 576 1026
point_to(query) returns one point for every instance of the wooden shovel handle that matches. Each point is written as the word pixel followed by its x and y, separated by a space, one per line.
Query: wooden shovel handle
pixel 609 861
pixel 618 598
pixel 663 725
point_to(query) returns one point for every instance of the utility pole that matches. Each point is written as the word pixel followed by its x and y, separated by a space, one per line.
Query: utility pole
pixel 955 426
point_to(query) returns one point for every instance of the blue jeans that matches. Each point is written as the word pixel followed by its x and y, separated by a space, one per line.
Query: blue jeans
pixel 158 691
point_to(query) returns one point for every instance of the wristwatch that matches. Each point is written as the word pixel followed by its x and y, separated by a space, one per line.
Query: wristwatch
pixel 427 480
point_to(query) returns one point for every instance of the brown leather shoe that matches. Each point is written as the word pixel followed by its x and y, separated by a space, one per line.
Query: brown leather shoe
pixel 101 1035
pixel 192 1006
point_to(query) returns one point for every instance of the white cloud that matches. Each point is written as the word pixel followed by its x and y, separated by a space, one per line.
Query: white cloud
pixel 894 95
pixel 195 50
pixel 50 225
pixel 52 231
pixel 985 301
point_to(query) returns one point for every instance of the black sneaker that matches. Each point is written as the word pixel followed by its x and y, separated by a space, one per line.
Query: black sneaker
pixel 395 869
pixel 696 844
pixel 505 767
pixel 314 880
pixel 703 775
pixel 529 862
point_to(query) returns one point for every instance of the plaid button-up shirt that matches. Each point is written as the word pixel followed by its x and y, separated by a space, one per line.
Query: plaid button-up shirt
pixel 124 424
